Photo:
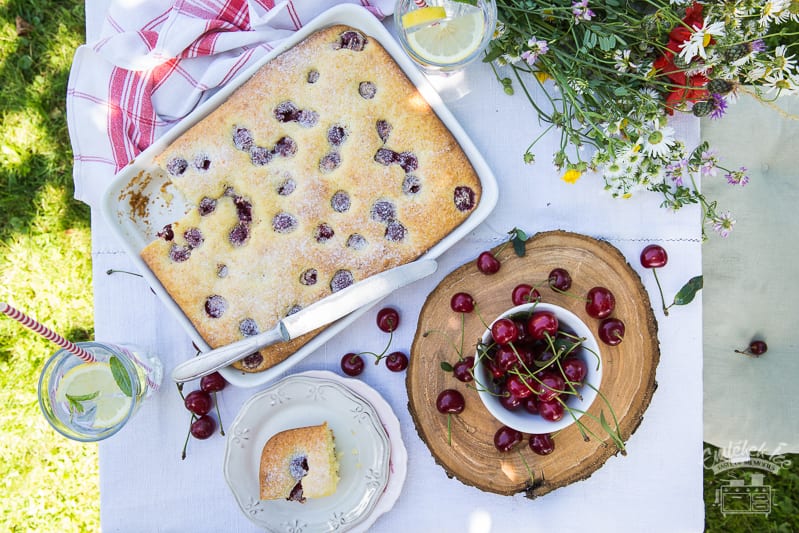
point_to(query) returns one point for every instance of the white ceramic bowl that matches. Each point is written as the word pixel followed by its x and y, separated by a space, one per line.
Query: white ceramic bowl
pixel 521 419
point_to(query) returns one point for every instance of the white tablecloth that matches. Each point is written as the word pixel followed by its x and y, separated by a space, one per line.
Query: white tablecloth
pixel 657 487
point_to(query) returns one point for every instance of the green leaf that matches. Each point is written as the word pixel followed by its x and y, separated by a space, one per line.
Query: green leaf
pixel 120 376
pixel 686 294
pixel 446 367
pixel 518 238
pixel 493 53
pixel 75 405
pixel 83 397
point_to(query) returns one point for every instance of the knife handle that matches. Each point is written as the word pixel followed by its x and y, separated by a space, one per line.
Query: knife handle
pixel 212 361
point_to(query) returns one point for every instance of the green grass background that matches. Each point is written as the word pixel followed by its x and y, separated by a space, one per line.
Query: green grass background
pixel 48 483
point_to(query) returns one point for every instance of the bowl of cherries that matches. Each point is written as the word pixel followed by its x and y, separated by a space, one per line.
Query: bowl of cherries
pixel 537 368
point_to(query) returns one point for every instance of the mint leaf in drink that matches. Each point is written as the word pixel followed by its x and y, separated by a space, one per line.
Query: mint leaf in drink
pixel 75 401
pixel 120 376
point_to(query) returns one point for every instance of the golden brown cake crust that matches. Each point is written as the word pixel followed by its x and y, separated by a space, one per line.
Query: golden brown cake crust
pixel 324 168
pixel 304 456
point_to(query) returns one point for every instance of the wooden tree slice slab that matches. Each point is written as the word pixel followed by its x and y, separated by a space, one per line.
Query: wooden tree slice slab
pixel 628 369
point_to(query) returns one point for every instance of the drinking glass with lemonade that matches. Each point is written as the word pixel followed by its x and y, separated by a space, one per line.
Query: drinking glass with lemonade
pixel 90 401
pixel 445 35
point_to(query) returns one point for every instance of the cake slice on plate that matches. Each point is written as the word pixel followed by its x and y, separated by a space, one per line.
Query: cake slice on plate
pixel 299 463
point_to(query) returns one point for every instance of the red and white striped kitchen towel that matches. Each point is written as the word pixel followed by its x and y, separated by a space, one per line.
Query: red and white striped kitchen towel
pixel 156 60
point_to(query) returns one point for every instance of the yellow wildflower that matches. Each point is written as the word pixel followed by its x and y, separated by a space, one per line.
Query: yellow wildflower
pixel 572 175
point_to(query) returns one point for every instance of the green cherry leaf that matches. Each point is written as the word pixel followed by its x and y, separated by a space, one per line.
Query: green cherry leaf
pixel 518 238
pixel 446 367
pixel 687 293
pixel 120 376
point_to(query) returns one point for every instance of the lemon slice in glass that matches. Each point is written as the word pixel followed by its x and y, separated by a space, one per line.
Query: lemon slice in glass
pixel 90 378
pixel 424 15
pixel 449 41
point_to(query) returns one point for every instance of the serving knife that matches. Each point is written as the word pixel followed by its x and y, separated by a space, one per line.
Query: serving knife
pixel 318 314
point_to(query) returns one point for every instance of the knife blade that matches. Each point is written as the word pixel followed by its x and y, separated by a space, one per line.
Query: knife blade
pixel 318 314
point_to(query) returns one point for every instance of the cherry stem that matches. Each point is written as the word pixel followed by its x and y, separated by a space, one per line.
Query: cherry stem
pixel 449 429
pixel 188 434
pixel 382 354
pixel 219 416
pixel 660 290
pixel 114 271
pixel 527 467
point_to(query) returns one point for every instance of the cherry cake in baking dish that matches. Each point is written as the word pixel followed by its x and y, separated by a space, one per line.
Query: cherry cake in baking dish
pixel 325 167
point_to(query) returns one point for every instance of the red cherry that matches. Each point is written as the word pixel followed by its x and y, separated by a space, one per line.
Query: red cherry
pixel 505 358
pixel 525 355
pixel 542 444
pixel 213 382
pixel 524 294
pixel 611 331
pixel 574 369
pixel 493 367
pixel 509 401
pixel 505 439
pixel 397 361
pixel 352 364
pixel 462 370
pixel 450 401
pixel 552 411
pixel 531 404
pixel 756 348
pixel 542 323
pixel 462 302
pixel 504 330
pixel 388 319
pixel 521 337
pixel 654 256
pixel 600 302
pixel 487 263
pixel 519 387
pixel 560 279
pixel 198 402
pixel 203 427
pixel 549 386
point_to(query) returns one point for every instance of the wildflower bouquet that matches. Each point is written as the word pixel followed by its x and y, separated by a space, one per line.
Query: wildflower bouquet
pixel 613 71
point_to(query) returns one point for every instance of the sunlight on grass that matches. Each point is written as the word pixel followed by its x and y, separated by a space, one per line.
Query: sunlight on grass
pixel 48 483
pixel 52 482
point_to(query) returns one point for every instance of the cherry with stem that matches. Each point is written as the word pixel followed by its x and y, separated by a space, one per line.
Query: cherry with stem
pixel 654 256
pixel 756 348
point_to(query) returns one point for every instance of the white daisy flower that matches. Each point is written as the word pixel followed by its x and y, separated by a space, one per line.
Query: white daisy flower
pixel 775 11
pixel 630 156
pixel 779 83
pixel 658 142
pixel 614 169
pixel 756 73
pixel 623 63
pixel 781 61
pixel 695 45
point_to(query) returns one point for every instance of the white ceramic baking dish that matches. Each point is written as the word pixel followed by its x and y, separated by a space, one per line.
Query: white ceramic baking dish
pixel 137 204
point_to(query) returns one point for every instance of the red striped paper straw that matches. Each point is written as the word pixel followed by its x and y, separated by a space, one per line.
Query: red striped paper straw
pixel 420 3
pixel 46 332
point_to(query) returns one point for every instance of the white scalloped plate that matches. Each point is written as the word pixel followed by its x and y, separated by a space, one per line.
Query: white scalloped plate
pixel 362 446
